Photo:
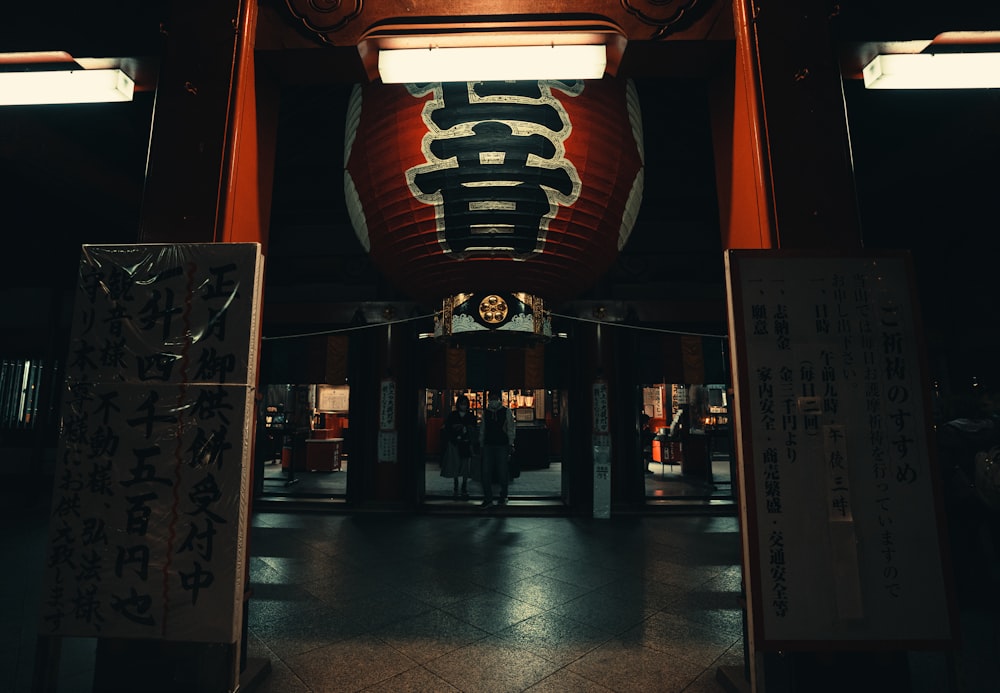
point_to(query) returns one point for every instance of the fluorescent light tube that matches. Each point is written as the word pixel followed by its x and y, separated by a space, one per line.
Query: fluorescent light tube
pixel 491 63
pixel 28 88
pixel 933 71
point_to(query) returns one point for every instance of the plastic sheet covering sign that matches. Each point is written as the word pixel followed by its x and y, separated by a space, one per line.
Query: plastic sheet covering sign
pixel 842 542
pixel 602 451
pixel 148 519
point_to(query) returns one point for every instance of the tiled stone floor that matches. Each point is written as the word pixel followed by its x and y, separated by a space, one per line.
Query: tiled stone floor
pixel 494 603
pixel 487 601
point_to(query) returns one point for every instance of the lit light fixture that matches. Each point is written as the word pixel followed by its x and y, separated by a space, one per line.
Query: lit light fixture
pixel 933 71
pixel 490 51
pixel 492 63
pixel 64 86
pixel 31 79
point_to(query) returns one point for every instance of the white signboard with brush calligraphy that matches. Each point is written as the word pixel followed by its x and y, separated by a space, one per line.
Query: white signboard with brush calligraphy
pixel 151 488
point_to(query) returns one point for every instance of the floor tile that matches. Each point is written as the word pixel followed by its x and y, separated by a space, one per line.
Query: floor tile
pixel 492 611
pixel 349 665
pixel 538 560
pixel 442 590
pixel 707 682
pixel 281 679
pixel 347 586
pixel 429 635
pixel 681 571
pixel 273 603
pixel 608 615
pixel 681 638
pixel 558 639
pixel 417 680
pixel 490 666
pixel 584 574
pixel 713 610
pixel 544 591
pixel 650 594
pixel 378 609
pixel 623 667
pixel 565 681
pixel 305 632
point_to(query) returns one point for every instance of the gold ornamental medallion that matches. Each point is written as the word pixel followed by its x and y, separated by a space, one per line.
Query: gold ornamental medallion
pixel 493 309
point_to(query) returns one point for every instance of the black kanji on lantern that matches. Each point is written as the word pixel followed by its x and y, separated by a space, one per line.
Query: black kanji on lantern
pixel 496 168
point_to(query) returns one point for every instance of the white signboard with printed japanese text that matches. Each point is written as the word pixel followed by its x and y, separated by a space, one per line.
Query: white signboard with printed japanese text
pixel 652 402
pixel 387 405
pixel 388 438
pixel 151 487
pixel 333 398
pixel 841 536
pixel 602 451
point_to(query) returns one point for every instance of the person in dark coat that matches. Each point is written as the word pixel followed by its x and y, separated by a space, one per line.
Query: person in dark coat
pixel 460 436
pixel 496 436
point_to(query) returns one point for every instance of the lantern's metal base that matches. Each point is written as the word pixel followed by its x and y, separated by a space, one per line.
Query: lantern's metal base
pixel 493 319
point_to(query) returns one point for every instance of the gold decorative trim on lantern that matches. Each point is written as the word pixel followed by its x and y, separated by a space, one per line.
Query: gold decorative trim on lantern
pixel 504 315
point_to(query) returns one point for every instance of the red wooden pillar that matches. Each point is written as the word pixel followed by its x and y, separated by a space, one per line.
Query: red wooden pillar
pixel 786 180
pixel 783 159
pixel 208 179
pixel 212 145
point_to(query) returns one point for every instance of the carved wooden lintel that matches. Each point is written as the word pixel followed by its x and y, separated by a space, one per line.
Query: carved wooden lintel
pixel 348 22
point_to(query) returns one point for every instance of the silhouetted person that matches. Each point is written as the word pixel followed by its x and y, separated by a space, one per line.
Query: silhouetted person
pixel 496 437
pixel 460 436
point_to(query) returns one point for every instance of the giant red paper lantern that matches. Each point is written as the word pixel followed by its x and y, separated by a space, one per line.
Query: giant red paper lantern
pixel 494 186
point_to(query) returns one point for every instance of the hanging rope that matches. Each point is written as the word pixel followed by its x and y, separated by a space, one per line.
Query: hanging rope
pixel 639 327
pixel 355 328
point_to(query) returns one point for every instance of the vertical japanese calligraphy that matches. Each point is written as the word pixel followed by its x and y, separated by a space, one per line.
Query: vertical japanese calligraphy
pixel 387 435
pixel 602 422
pixel 602 450
pixel 150 492
pixel 842 538
pixel 387 405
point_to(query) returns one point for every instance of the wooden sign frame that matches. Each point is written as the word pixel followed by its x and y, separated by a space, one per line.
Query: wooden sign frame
pixel 840 509
pixel 151 492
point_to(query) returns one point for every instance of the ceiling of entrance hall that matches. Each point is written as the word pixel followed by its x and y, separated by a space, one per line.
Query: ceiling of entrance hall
pixel 675 246
pixel 75 174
